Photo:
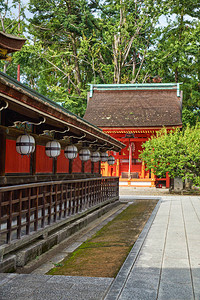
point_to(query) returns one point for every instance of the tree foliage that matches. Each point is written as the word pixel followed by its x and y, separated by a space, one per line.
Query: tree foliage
pixel 73 43
pixel 176 152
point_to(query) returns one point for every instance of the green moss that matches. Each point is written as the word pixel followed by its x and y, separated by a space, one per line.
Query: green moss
pixel 109 246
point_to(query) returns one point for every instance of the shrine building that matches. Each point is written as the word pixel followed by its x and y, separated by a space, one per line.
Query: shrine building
pixel 50 170
pixel 132 113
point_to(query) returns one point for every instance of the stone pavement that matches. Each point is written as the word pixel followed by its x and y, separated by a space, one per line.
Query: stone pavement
pixel 163 264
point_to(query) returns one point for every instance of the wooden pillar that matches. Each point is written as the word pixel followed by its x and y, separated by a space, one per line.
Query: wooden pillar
pixel 83 167
pixel 143 170
pixel 117 168
pixel 2 153
pixel 55 165
pixel 99 167
pixel 33 162
pixel 167 180
pixel 92 167
pixel 70 165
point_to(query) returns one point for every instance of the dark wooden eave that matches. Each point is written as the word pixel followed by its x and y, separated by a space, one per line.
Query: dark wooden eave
pixel 23 99
pixel 11 43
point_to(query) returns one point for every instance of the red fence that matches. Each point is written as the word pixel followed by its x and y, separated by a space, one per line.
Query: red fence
pixel 27 208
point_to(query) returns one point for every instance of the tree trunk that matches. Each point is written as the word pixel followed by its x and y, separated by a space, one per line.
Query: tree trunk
pixel 76 63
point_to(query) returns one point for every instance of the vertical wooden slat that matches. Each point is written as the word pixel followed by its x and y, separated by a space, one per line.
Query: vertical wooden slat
pixel 82 196
pixel 19 217
pixel 43 206
pixel 61 202
pixel 28 213
pixel 65 200
pixel 77 197
pixel 73 198
pixel 50 204
pixel 36 210
pixel 70 199
pixel 55 202
pixel 9 220
pixel 89 194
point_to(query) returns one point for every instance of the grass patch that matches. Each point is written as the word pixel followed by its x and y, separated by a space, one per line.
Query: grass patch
pixel 105 252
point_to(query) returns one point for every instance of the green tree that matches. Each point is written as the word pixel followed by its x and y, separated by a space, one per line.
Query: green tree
pixel 176 152
pixel 128 29
pixel 176 55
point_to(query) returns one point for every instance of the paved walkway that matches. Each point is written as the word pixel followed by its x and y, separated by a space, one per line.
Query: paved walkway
pixel 163 264
pixel 166 264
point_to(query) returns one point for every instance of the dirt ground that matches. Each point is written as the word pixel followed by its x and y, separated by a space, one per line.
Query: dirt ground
pixel 105 252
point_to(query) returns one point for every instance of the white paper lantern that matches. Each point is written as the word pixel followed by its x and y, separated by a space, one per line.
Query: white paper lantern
pixel 111 160
pixel 95 156
pixel 104 156
pixel 52 149
pixel 84 154
pixel 25 144
pixel 71 152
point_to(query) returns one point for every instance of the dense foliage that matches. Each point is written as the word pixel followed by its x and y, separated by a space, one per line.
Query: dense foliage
pixel 176 152
pixel 73 43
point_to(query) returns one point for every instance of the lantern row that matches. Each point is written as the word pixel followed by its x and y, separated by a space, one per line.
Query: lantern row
pixel 25 145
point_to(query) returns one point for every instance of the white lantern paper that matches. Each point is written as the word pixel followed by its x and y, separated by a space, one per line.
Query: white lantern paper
pixel 53 149
pixel 84 154
pixel 111 160
pixel 25 144
pixel 95 156
pixel 104 156
pixel 71 152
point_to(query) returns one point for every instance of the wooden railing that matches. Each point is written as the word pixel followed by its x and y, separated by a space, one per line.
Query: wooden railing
pixel 30 207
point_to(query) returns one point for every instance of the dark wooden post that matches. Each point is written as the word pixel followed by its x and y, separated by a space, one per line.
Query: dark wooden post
pixel 54 165
pixel 33 163
pixel 70 165
pixel 2 153
pixel 92 167
pixel 83 167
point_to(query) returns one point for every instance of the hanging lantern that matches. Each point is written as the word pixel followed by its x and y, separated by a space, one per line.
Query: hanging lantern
pixel 95 156
pixel 84 154
pixel 52 149
pixel 111 160
pixel 104 156
pixel 25 144
pixel 71 152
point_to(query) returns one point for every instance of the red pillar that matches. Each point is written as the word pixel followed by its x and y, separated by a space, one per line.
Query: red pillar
pixel 18 73
pixel 167 180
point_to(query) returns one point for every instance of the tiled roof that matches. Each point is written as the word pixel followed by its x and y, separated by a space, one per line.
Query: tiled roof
pixel 134 108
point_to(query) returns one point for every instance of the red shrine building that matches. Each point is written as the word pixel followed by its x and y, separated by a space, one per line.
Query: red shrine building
pixel 132 113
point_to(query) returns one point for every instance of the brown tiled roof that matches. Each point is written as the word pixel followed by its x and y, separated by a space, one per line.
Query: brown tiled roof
pixel 134 108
